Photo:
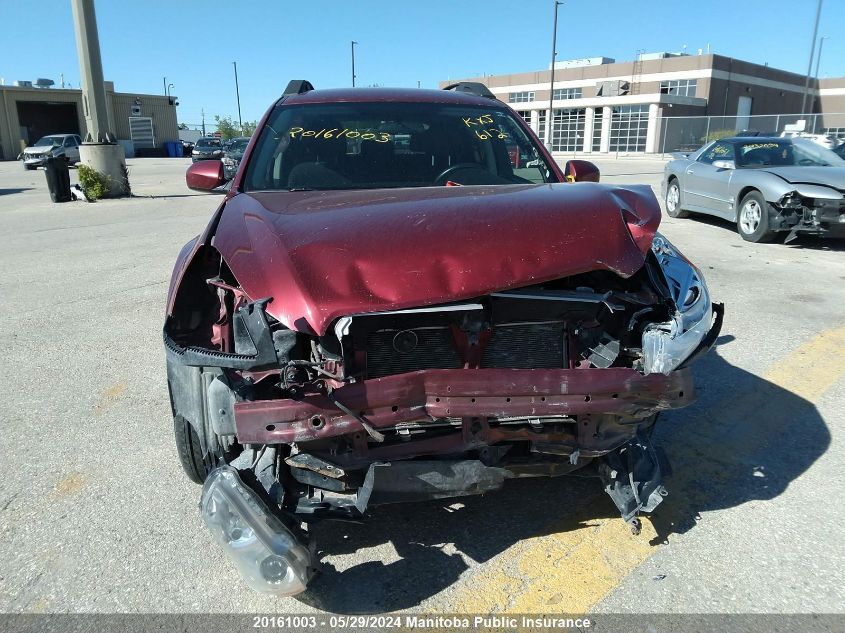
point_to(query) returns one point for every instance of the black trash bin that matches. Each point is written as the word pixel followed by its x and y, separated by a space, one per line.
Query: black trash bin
pixel 58 179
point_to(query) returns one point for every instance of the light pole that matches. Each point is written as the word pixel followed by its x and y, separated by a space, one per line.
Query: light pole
pixel 812 51
pixel 551 115
pixel 819 56
pixel 238 95
pixel 164 83
pixel 353 62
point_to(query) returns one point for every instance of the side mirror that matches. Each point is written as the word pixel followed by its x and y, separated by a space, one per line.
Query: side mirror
pixel 205 175
pixel 581 171
pixel 724 164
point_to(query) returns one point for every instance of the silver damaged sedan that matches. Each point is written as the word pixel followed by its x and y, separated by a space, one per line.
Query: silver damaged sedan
pixel 767 185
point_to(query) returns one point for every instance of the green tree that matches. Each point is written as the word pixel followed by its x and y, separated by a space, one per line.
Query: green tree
pixel 229 128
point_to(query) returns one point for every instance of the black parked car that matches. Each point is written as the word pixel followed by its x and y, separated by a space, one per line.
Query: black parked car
pixel 207 149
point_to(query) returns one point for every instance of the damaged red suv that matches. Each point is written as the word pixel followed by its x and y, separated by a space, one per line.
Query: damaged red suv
pixel 403 297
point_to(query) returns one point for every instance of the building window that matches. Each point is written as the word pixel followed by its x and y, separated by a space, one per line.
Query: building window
pixel 521 97
pixel 568 130
pixel 541 126
pixel 680 87
pixel 628 128
pixel 567 93
pixel 598 119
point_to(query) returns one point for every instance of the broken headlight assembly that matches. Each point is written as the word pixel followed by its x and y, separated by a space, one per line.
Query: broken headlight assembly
pixel 267 554
pixel 667 345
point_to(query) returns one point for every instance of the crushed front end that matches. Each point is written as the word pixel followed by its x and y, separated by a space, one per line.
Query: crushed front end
pixel 435 401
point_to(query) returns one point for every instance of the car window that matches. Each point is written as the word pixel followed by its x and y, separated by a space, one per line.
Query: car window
pixel 47 141
pixel 382 145
pixel 70 142
pixel 719 151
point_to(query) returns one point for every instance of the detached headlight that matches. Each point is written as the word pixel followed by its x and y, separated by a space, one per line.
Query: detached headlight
pixel 267 554
pixel 667 345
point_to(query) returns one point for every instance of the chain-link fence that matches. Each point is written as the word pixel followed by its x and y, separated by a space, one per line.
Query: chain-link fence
pixel 685 134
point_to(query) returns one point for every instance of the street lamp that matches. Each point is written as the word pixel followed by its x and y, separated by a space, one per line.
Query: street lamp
pixel 167 90
pixel 551 115
pixel 353 62
pixel 238 95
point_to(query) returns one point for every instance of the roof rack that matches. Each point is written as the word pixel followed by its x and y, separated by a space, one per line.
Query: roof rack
pixel 474 88
pixel 297 87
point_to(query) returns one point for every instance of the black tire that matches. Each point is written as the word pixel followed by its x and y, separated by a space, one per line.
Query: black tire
pixel 673 200
pixel 189 449
pixel 752 218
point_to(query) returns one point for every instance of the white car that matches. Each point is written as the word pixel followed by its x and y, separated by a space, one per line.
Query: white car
pixel 55 146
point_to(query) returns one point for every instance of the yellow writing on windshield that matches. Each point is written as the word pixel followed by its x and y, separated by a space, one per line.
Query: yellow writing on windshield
pixel 336 133
pixel 484 119
pixel 748 148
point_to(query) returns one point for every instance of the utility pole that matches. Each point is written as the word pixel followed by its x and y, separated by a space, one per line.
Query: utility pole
pixel 99 151
pixel 353 62
pixel 551 115
pixel 91 71
pixel 203 121
pixel 812 52
pixel 238 93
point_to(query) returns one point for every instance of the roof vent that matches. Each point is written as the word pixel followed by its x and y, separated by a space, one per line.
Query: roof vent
pixel 44 83
pixel 297 87
pixel 475 88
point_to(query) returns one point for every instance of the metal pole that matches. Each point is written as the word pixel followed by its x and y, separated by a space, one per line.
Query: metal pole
pixel 164 83
pixel 91 71
pixel 238 94
pixel 551 115
pixel 203 122
pixel 353 62
pixel 819 56
pixel 812 52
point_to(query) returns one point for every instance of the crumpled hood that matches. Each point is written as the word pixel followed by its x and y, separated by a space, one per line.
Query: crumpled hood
pixel 321 255
pixel 40 150
pixel 825 176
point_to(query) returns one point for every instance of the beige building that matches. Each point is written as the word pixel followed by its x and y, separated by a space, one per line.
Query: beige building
pixel 27 113
pixel 664 101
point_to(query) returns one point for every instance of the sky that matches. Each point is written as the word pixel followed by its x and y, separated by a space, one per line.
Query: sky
pixel 194 42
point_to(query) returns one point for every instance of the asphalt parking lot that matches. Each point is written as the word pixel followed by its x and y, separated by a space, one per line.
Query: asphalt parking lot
pixel 96 514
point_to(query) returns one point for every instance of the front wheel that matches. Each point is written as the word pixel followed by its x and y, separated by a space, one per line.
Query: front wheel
pixel 190 451
pixel 673 201
pixel 752 218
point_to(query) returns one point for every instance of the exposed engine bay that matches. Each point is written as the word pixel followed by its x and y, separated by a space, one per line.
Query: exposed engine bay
pixel 444 400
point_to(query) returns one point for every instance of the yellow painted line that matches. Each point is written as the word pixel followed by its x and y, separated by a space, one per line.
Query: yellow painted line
pixel 813 367
pixel 577 562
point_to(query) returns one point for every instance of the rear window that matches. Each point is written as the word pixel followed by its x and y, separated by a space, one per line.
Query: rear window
pixel 208 142
pixel 384 145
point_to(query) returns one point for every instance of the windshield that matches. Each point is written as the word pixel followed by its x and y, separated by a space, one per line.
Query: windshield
pixel 208 142
pixel 239 145
pixel 48 141
pixel 383 145
pixel 795 152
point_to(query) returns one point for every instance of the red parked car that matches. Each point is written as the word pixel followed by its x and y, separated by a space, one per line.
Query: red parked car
pixel 401 298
